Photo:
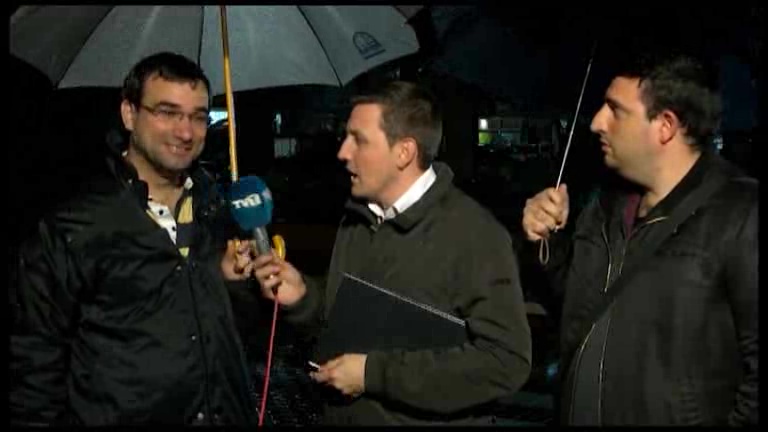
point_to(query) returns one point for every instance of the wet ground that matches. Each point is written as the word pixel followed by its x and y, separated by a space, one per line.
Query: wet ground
pixel 295 401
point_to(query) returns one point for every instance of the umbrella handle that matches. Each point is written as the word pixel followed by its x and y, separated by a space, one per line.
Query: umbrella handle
pixel 228 91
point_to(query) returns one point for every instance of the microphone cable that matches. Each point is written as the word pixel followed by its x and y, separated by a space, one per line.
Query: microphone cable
pixel 279 243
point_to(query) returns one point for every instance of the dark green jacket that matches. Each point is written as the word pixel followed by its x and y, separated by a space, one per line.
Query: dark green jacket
pixel 447 251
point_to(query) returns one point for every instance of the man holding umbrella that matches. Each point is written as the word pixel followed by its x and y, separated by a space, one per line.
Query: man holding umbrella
pixel 659 277
pixel 123 311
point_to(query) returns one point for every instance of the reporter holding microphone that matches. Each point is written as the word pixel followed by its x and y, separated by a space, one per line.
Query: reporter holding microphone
pixel 409 230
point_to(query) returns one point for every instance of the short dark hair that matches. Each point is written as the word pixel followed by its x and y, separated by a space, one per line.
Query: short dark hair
pixel 682 84
pixel 408 110
pixel 167 65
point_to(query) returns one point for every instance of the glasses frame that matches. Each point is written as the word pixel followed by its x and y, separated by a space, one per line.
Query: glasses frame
pixel 169 115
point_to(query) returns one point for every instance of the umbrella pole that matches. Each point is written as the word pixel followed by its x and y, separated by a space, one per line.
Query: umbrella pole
pixel 228 89
pixel 544 243
pixel 576 114
pixel 233 170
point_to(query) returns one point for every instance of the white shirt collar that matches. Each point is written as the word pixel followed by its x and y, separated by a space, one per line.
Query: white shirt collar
pixel 409 198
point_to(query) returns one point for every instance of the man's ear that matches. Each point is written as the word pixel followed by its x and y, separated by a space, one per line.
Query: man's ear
pixel 407 152
pixel 128 114
pixel 669 126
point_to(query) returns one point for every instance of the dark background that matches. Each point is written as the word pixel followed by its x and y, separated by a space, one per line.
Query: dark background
pixel 481 61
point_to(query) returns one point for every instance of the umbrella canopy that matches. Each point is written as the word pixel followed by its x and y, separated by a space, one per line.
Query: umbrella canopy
pixel 534 55
pixel 269 46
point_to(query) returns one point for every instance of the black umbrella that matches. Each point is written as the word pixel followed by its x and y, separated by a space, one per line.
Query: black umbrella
pixel 533 55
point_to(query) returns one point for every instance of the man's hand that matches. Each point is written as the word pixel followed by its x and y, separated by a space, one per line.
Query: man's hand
pixel 237 263
pixel 274 273
pixel 346 373
pixel 545 212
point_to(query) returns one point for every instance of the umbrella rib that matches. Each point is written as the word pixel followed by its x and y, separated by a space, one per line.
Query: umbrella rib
pixel 311 27
pixel 200 39
pixel 85 41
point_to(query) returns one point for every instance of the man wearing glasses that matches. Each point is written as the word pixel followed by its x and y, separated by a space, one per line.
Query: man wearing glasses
pixel 123 314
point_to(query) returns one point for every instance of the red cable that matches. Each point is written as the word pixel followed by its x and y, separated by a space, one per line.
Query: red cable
pixel 269 362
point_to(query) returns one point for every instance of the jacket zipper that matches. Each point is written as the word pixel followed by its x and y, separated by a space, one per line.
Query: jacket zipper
pixel 206 382
pixel 576 368
pixel 610 259
pixel 203 351
pixel 610 308
pixel 586 339
pixel 607 325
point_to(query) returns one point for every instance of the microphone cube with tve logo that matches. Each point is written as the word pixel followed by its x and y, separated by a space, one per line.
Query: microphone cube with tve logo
pixel 251 200
pixel 250 203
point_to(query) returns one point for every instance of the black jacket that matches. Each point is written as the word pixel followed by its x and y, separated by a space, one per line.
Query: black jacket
pixel 448 252
pixel 114 326
pixel 679 345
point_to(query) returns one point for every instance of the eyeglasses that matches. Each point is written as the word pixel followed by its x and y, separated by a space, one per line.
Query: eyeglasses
pixel 167 115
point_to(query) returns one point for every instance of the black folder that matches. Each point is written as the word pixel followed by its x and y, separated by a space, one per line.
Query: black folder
pixel 365 317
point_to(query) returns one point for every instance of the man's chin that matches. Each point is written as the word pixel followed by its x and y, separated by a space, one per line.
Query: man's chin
pixel 172 168
pixel 358 194
pixel 178 163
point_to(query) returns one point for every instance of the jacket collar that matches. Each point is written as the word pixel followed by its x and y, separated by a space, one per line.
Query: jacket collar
pixel 614 202
pixel 127 175
pixel 691 181
pixel 411 196
pixel 415 213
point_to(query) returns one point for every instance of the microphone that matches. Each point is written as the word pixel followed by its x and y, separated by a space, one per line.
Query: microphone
pixel 251 206
pixel 250 202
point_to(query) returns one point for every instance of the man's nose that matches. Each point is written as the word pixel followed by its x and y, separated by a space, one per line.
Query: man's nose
pixel 344 151
pixel 598 121
pixel 184 129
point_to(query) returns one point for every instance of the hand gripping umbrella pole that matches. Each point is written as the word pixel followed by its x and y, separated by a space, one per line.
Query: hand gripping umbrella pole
pixel 277 239
pixel 544 245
